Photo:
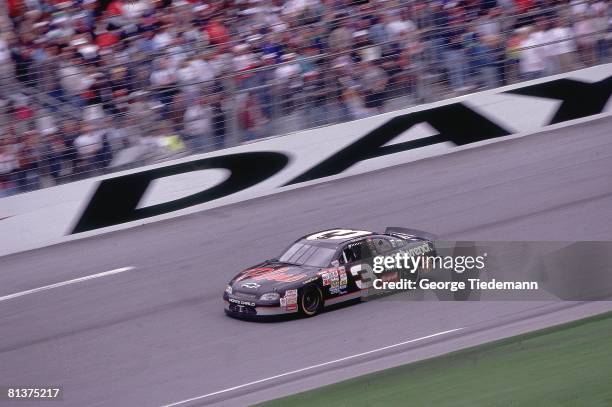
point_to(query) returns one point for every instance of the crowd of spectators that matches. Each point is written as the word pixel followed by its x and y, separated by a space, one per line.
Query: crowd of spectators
pixel 86 85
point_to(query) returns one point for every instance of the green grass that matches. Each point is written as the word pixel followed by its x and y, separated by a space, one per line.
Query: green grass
pixel 567 365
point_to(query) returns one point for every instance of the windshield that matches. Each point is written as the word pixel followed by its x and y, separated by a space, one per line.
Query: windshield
pixel 308 255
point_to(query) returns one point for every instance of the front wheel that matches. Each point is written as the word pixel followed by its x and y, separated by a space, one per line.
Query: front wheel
pixel 311 301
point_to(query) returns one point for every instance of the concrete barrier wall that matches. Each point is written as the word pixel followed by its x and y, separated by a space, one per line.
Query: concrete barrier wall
pixel 195 183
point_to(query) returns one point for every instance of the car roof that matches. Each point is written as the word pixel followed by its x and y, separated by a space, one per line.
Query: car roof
pixel 334 237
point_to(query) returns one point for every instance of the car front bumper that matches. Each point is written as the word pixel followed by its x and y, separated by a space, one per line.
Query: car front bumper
pixel 249 309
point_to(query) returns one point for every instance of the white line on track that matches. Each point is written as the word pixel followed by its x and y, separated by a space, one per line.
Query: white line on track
pixel 63 283
pixel 267 379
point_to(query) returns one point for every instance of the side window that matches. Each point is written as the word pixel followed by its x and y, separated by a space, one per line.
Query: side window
pixel 383 245
pixel 355 252
pixel 397 242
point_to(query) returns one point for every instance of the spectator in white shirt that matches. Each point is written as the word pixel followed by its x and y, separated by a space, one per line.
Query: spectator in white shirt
pixel 9 165
pixel 396 27
pixel 163 37
pixel 544 41
pixel 8 161
pixel 7 68
pixel 188 80
pixel 579 7
pixel 243 58
pixel 562 51
pixel 204 71
pixel 198 126
pixel 74 80
pixel 88 145
pixel 356 104
pixel 585 28
pixel 133 10
pixel 532 63
pixel 490 23
pixel 165 75
pixel 5 52
pixel 289 73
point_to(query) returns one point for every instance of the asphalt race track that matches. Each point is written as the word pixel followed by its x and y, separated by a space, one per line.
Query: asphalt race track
pixel 157 334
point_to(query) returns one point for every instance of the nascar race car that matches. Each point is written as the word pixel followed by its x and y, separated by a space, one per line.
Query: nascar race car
pixel 319 270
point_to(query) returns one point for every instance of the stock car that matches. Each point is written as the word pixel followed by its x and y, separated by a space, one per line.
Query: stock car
pixel 319 270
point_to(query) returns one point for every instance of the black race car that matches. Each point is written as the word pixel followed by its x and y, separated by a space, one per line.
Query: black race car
pixel 320 270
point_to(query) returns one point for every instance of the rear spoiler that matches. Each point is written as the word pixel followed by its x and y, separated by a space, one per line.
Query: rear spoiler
pixel 410 233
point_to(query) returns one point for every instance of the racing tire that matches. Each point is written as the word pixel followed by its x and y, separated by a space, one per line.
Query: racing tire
pixel 310 301
pixel 410 276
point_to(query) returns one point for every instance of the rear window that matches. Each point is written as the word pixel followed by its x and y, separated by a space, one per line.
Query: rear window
pixel 308 255
pixel 383 246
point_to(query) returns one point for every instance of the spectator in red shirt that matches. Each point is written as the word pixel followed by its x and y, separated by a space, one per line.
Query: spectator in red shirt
pixel 107 37
pixel 217 33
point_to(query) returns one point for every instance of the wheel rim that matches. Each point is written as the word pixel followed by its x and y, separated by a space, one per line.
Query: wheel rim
pixel 311 301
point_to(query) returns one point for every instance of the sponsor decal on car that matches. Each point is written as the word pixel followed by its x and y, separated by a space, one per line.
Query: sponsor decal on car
pixel 343 279
pixel 310 280
pixel 271 274
pixel 289 301
pixel 419 250
pixel 335 278
pixel 338 234
pixel 240 302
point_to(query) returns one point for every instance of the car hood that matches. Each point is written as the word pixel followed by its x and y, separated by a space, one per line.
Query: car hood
pixel 272 276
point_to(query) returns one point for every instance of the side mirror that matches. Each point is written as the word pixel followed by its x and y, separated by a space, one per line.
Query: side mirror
pixel 335 263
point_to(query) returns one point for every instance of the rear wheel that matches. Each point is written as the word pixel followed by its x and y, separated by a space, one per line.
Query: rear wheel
pixel 311 300
pixel 408 275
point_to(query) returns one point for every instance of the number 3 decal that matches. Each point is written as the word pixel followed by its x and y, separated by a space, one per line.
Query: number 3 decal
pixel 338 234
pixel 366 274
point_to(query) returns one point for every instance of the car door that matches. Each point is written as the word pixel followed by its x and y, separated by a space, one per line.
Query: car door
pixel 357 259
